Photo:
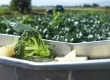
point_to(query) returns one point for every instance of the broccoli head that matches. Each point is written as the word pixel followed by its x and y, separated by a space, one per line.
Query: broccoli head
pixel 30 42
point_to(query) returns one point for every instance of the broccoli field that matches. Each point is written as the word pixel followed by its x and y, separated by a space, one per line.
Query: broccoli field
pixel 67 27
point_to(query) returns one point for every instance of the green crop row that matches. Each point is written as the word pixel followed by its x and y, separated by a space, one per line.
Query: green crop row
pixel 71 27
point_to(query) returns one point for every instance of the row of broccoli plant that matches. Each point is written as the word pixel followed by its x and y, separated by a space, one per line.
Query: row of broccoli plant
pixel 69 27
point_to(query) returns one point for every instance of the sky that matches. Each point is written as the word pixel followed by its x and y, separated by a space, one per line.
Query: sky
pixel 62 2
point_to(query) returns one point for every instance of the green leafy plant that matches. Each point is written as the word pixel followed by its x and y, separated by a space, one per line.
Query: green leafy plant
pixel 30 43
pixel 69 27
